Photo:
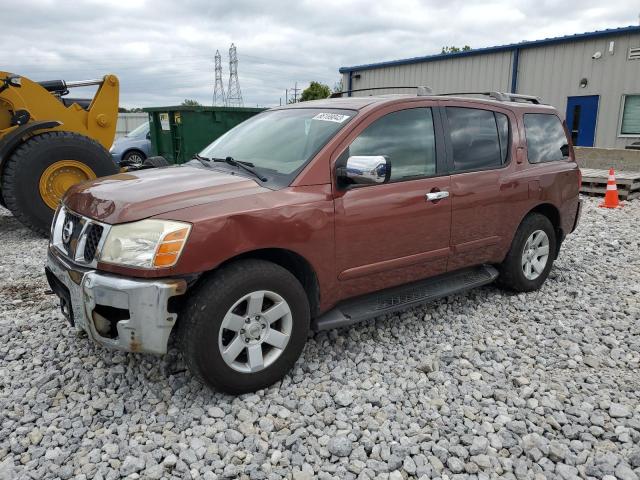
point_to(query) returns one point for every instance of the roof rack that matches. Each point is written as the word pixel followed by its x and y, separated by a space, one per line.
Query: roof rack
pixel 502 96
pixel 424 91
pixel 420 90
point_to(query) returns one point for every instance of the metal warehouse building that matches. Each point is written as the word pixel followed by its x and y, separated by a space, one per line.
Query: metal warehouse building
pixel 594 77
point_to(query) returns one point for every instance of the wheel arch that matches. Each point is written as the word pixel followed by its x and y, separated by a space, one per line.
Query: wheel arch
pixel 293 262
pixel 553 214
pixel 133 149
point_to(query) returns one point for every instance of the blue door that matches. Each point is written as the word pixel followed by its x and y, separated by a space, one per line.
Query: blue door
pixel 582 113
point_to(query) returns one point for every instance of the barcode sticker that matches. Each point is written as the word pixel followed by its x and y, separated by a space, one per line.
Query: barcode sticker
pixel 331 117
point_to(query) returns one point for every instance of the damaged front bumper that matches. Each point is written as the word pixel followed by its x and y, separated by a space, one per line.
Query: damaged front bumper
pixel 117 312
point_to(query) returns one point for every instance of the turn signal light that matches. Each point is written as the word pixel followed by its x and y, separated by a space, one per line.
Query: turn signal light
pixel 170 247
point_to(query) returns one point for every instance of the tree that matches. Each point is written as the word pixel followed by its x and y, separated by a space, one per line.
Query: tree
pixel 190 103
pixel 454 49
pixel 315 91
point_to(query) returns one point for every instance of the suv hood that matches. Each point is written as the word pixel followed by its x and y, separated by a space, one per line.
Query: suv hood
pixel 131 196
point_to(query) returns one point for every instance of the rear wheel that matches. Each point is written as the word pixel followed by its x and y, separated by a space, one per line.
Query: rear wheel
pixel 531 255
pixel 42 169
pixel 245 326
pixel 134 157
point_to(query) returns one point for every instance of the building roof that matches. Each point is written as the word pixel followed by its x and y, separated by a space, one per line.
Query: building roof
pixel 497 49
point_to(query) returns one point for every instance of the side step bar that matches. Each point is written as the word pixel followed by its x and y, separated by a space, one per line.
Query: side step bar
pixel 403 297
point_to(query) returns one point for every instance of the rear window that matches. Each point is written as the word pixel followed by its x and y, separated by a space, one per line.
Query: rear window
pixel 546 139
pixel 479 138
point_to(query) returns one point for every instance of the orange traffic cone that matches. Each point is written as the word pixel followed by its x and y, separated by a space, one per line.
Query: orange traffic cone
pixel 611 197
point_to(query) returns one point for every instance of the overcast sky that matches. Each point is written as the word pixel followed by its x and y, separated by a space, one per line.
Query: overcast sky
pixel 163 50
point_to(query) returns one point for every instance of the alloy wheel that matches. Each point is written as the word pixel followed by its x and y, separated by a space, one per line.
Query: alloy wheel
pixel 255 331
pixel 535 254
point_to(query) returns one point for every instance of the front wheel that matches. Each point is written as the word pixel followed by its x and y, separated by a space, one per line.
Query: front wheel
pixel 531 255
pixel 245 326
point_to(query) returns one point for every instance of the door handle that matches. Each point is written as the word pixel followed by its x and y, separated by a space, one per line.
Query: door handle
pixel 435 196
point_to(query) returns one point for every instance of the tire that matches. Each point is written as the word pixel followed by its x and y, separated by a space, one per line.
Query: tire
pixel 515 274
pixel 156 162
pixel 133 157
pixel 24 169
pixel 202 336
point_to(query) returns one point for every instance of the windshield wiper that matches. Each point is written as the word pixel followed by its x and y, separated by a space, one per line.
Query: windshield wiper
pixel 246 166
pixel 203 160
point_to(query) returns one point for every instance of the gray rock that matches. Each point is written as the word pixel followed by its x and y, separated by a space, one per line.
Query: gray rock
pixel 567 472
pixel 624 472
pixel 340 446
pixel 233 436
pixel 617 410
pixel 344 398
pixel 455 464
pixel 131 465
pixel 479 446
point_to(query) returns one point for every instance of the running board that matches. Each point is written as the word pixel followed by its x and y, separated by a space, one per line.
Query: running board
pixel 403 297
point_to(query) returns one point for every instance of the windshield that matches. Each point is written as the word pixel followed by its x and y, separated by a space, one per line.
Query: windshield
pixel 279 143
pixel 140 131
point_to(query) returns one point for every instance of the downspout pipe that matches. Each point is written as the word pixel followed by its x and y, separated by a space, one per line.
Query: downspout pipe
pixel 349 83
pixel 514 70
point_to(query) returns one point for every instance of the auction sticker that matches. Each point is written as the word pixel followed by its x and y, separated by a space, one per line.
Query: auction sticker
pixel 331 117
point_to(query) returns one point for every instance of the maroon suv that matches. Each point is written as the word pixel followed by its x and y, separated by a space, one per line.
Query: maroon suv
pixel 315 216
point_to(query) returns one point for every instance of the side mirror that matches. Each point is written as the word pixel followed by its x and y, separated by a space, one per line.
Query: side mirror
pixel 565 150
pixel 148 135
pixel 366 170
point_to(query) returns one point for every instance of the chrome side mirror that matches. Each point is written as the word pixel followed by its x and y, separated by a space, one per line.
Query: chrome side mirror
pixel 366 170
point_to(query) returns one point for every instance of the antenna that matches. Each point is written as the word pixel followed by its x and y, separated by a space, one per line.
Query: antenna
pixel 218 89
pixel 234 95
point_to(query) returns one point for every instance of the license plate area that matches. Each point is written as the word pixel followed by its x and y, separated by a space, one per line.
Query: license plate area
pixel 61 290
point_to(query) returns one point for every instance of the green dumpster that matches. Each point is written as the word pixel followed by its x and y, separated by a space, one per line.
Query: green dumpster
pixel 177 133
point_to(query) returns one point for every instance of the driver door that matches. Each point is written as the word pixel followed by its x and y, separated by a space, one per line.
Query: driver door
pixel 391 233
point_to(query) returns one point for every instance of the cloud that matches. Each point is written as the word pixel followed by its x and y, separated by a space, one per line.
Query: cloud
pixel 163 50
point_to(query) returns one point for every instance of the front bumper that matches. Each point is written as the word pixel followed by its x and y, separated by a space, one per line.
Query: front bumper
pixel 116 312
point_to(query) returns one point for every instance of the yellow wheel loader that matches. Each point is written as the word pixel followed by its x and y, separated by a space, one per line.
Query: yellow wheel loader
pixel 49 142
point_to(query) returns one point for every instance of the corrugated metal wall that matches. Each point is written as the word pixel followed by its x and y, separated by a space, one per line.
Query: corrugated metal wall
pixel 479 72
pixel 552 72
pixel 129 121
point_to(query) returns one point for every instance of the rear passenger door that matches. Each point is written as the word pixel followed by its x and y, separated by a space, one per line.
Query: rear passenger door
pixel 478 152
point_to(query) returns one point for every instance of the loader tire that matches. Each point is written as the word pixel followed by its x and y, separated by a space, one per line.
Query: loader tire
pixel 39 172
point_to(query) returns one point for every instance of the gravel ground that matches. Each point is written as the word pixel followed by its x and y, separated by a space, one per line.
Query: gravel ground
pixel 481 385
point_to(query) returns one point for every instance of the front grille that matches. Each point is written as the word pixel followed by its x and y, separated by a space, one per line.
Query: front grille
pixel 77 237
pixel 93 236
pixel 71 243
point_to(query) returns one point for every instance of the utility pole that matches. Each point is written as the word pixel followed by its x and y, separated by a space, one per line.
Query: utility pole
pixel 292 93
pixel 234 94
pixel 295 93
pixel 218 89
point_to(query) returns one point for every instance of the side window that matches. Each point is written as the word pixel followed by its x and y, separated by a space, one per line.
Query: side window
pixel 503 133
pixel 406 138
pixel 630 122
pixel 479 140
pixel 546 139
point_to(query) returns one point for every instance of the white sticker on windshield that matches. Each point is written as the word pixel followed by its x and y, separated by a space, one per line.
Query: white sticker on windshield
pixel 331 117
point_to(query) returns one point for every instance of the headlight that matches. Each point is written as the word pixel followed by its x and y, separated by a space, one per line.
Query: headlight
pixel 147 243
